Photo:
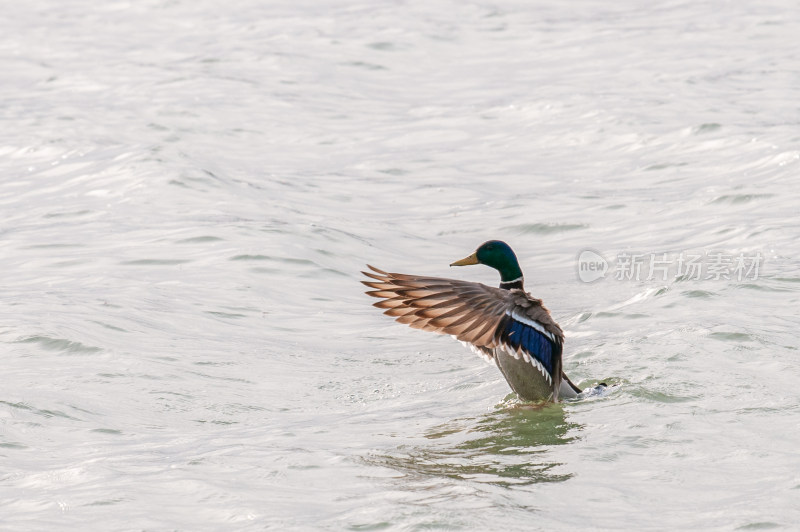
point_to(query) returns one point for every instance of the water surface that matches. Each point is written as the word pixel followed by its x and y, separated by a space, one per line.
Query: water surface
pixel 188 191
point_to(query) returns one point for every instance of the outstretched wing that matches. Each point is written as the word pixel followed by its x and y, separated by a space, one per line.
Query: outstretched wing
pixel 482 316
pixel 471 312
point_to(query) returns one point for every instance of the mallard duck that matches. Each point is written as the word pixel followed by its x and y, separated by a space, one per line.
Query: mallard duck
pixel 505 325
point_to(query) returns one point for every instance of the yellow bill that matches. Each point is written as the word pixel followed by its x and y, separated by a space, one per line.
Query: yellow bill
pixel 472 259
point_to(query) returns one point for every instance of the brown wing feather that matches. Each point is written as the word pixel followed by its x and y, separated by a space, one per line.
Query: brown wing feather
pixel 533 309
pixel 472 312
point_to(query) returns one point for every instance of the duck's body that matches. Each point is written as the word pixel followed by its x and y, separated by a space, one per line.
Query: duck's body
pixel 505 324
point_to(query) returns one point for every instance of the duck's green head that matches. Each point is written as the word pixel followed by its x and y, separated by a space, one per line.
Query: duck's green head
pixel 499 256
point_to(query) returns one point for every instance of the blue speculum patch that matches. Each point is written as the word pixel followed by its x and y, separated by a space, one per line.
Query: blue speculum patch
pixel 535 343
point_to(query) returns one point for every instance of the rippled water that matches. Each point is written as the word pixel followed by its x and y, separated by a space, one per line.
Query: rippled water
pixel 188 191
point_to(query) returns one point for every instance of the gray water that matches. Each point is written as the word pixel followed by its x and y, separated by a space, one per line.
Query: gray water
pixel 188 191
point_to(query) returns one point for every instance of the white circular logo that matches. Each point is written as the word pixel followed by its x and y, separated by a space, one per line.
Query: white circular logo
pixel 591 266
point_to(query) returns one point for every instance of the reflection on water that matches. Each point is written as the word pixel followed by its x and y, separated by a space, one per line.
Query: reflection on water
pixel 508 446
